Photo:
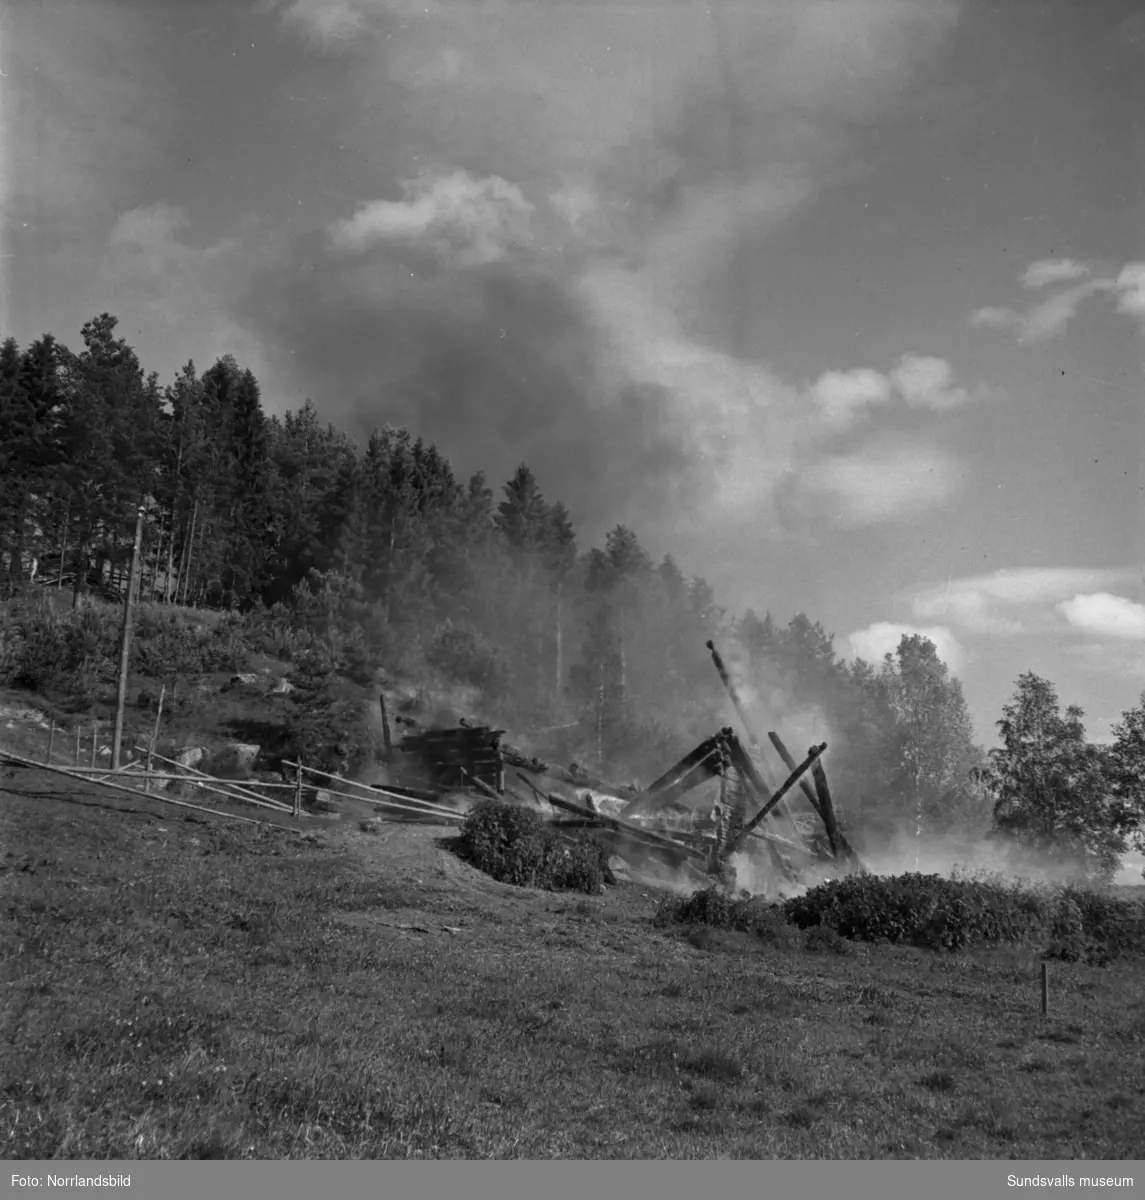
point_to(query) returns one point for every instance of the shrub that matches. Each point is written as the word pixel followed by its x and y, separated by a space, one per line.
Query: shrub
pixel 950 914
pixel 915 909
pixel 513 845
pixel 713 908
pixel 1067 931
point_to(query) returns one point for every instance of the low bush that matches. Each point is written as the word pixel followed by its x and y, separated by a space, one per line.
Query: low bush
pixel 951 914
pixel 714 908
pixel 513 845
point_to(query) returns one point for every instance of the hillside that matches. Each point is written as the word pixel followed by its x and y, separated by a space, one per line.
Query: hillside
pixel 268 993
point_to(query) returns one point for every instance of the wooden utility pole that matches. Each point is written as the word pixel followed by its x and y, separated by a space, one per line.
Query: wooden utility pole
pixel 125 642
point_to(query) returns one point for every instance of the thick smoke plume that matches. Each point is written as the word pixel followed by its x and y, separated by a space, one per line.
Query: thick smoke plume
pixel 549 262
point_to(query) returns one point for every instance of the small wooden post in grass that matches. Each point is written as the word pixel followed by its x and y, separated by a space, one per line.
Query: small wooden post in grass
pixel 94 740
pixel 154 735
pixel 51 739
pixel 1045 989
pixel 298 789
pixel 78 735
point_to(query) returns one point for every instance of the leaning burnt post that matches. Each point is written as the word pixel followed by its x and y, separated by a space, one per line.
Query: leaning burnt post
pixel 731 690
pixel 786 786
pixel 821 802
pixel 839 843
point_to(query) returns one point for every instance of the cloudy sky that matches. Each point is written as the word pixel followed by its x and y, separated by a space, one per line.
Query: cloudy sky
pixel 840 301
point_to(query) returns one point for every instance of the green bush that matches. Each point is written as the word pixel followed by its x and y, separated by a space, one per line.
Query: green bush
pixel 513 845
pixel 915 909
pixel 951 914
pixel 713 908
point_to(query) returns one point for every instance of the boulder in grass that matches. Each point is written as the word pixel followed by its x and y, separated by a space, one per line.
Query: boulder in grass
pixel 235 761
pixel 245 680
pixel 191 757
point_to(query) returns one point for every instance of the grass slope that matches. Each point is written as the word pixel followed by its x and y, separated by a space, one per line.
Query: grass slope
pixel 177 987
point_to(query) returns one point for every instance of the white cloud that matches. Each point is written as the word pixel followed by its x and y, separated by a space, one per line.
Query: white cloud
pixel 925 383
pixel 1010 601
pixel 327 21
pixel 150 228
pixel 843 394
pixel 887 480
pixel 883 637
pixel 1106 615
pixel 993 317
pixel 1131 289
pixel 1049 318
pixel 471 221
pixel 1053 270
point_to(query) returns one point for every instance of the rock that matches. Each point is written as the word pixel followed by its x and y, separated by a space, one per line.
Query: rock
pixel 191 757
pixel 619 867
pixel 235 761
pixel 320 800
pixel 245 680
pixel 282 687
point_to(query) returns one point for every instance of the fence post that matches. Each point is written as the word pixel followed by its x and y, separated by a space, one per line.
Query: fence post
pixel 154 737
pixel 78 735
pixel 51 739
pixel 1045 988
pixel 94 740
pixel 298 789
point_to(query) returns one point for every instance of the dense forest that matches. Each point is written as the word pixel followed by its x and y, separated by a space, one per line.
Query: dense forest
pixel 400 566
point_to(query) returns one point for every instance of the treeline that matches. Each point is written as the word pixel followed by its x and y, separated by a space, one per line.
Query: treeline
pixel 397 563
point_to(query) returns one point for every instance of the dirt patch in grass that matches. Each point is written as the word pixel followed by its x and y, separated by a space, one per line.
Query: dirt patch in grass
pixel 173 986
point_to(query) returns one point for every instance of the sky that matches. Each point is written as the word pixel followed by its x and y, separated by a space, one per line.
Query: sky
pixel 840 302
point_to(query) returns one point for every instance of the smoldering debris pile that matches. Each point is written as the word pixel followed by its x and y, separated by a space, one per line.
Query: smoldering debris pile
pixel 714 817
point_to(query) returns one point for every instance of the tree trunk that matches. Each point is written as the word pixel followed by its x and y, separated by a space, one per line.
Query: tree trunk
pixel 63 547
pixel 186 579
pixel 389 576
pixel 560 664
pixel 600 726
pixel 170 563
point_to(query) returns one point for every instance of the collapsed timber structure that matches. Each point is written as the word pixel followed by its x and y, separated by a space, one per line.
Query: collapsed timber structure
pixel 749 815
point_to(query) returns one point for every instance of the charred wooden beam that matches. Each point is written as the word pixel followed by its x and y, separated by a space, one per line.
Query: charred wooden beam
pixel 614 823
pixel 731 690
pixel 744 763
pixel 838 839
pixel 821 802
pixel 787 785
pixel 703 750
pixel 789 762
pixel 705 769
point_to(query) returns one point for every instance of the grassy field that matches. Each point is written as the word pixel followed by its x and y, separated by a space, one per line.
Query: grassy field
pixel 183 987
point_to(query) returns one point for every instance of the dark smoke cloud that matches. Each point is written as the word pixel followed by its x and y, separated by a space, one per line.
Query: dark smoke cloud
pixel 496 364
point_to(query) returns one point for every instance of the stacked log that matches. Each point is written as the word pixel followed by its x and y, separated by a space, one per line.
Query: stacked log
pixel 455 756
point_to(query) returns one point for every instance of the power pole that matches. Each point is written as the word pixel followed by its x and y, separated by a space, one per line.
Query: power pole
pixel 125 642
